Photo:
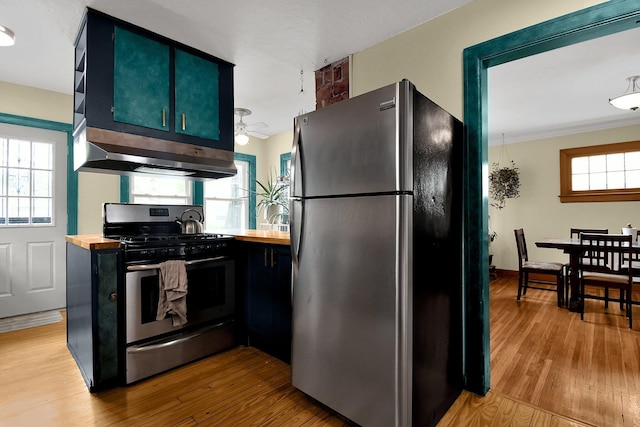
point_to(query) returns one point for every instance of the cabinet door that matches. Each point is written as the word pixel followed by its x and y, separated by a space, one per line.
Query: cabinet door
pixel 140 80
pixel 260 292
pixel 282 316
pixel 197 107
pixel 107 277
pixel 268 300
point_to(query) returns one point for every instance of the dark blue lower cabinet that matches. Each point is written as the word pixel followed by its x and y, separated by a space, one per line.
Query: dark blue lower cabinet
pixel 268 299
pixel 93 280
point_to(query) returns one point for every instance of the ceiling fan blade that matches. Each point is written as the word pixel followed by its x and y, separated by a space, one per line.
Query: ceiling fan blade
pixel 256 126
pixel 258 134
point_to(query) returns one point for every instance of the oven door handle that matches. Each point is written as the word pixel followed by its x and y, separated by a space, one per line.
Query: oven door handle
pixel 145 267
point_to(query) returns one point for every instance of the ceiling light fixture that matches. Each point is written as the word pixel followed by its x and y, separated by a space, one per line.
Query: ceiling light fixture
pixel 631 98
pixel 241 138
pixel 7 38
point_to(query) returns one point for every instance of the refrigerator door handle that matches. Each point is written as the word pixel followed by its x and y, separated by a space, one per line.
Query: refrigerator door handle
pixel 295 189
pixel 295 199
pixel 296 208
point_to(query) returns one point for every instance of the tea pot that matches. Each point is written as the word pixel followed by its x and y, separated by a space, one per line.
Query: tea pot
pixel 190 226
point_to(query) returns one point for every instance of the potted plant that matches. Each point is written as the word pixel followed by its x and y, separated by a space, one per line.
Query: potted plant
pixel 504 183
pixel 274 199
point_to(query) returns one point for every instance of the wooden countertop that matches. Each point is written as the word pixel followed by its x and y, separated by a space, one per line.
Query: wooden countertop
pixel 259 236
pixel 97 241
pixel 93 241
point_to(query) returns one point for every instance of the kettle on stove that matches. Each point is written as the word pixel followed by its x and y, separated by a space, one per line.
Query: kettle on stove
pixel 190 225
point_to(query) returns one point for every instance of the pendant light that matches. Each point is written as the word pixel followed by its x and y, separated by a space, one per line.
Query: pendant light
pixel 240 135
pixel 630 100
pixel 7 38
pixel 241 138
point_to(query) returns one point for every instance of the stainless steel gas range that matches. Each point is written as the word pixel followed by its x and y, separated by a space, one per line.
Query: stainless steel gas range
pixel 152 239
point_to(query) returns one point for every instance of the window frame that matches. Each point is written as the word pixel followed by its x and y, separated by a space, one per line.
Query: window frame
pixel 250 160
pixel 197 190
pixel 189 186
pixel 567 195
pixel 72 175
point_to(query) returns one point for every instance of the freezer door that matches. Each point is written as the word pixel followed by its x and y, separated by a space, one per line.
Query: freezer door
pixel 354 146
pixel 350 300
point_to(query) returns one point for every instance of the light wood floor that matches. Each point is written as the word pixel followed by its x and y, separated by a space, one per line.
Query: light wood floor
pixel 546 356
pixel 40 385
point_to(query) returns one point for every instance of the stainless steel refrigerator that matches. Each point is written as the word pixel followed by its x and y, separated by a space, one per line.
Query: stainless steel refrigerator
pixel 375 237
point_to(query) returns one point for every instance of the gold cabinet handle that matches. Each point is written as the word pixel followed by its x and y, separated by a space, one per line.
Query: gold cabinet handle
pixel 184 121
pixel 164 117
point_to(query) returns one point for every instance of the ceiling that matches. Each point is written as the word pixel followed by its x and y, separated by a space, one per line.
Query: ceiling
pixel 269 42
pixel 563 91
pixel 553 93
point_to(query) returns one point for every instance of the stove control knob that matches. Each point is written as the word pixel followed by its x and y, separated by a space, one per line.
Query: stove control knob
pixel 163 251
pixel 188 249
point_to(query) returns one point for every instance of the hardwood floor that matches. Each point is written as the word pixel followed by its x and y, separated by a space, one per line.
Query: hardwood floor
pixel 546 356
pixel 548 369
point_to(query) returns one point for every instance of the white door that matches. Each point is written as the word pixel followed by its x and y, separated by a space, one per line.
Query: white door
pixel 33 219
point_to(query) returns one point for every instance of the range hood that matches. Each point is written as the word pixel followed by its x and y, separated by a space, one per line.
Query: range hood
pixel 106 151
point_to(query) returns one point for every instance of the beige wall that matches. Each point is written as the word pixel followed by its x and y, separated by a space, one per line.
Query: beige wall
pixel 94 189
pixel 430 55
pixel 36 103
pixel 538 209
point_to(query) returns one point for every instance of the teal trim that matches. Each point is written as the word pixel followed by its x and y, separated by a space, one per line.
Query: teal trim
pixel 72 176
pixel 597 21
pixel 251 193
pixel 284 159
pixel 125 190
pixel 198 193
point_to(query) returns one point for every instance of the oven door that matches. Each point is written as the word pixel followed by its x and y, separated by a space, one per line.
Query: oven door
pixel 210 296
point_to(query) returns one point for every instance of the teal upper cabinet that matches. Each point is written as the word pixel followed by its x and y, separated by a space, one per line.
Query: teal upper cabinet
pixel 131 81
pixel 196 93
pixel 140 80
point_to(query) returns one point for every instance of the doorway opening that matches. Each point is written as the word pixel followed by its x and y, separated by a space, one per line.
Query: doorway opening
pixel 597 21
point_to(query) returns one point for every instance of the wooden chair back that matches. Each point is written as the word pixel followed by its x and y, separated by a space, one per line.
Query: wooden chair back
pixel 575 232
pixel 603 265
pixel 605 253
pixel 521 244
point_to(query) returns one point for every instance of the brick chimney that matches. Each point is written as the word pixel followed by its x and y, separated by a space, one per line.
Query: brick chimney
pixel 332 83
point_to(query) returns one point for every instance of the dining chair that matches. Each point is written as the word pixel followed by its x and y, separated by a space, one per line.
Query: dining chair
pixel 635 260
pixel 602 265
pixel 526 266
pixel 575 234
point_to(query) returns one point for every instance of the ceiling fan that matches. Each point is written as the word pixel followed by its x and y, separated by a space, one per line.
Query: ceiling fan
pixel 243 130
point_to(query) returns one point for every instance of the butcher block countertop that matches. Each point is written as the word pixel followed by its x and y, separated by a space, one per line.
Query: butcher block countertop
pixel 93 242
pixel 259 236
pixel 97 241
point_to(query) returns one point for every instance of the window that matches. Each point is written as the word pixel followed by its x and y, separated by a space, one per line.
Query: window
pixel 227 201
pixel 26 182
pixel 160 190
pixel 600 173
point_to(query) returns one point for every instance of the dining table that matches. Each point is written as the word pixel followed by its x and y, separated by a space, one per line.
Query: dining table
pixel 574 248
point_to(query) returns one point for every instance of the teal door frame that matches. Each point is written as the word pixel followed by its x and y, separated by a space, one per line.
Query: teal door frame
pixel 606 18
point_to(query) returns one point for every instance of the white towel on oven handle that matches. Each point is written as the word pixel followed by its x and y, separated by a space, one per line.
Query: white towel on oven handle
pixel 172 298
